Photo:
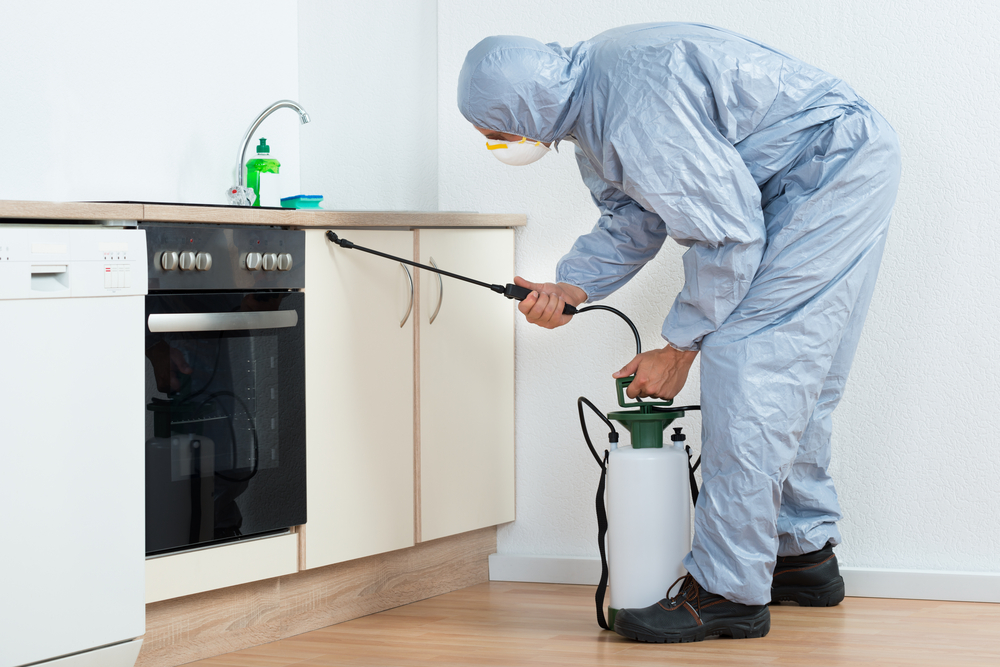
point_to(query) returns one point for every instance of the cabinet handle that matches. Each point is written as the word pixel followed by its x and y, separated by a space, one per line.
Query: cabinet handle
pixel 409 308
pixel 440 293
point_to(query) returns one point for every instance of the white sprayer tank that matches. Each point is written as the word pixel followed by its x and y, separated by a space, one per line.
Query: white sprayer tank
pixel 649 523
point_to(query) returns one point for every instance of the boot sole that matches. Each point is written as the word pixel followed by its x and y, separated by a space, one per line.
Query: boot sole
pixel 738 628
pixel 829 595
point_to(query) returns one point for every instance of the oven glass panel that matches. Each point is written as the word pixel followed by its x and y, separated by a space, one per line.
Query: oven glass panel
pixel 225 427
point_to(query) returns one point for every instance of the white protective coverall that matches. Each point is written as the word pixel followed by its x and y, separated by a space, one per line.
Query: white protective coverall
pixel 780 180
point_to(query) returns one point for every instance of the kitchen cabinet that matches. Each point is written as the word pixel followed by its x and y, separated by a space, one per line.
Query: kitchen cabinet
pixel 359 398
pixel 364 451
pixel 361 375
pixel 466 388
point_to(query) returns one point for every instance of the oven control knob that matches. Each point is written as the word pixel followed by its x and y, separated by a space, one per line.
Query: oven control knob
pixel 187 260
pixel 284 261
pixel 253 261
pixel 203 261
pixel 270 261
pixel 168 260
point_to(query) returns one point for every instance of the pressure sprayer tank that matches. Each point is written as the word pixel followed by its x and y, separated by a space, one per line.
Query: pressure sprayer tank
pixel 649 501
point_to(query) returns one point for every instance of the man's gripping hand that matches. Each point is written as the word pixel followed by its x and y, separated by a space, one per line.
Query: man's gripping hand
pixel 658 373
pixel 544 306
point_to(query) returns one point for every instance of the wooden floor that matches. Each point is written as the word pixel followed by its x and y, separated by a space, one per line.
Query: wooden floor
pixel 512 624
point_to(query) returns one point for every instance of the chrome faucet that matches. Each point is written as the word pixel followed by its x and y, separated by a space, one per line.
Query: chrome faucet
pixel 240 195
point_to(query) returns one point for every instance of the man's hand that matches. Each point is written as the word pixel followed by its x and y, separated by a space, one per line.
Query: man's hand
pixel 544 306
pixel 658 373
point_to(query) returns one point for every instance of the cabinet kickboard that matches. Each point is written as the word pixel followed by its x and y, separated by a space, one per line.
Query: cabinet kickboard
pixel 207 624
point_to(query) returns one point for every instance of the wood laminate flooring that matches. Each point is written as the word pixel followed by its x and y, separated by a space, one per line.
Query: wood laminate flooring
pixel 501 623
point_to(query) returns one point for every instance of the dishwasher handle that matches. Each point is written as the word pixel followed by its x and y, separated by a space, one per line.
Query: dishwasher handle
pixel 49 278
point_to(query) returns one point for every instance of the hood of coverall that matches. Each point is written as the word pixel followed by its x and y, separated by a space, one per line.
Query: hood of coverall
pixel 520 86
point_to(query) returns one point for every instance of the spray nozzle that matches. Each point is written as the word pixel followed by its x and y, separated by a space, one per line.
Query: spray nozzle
pixel 343 243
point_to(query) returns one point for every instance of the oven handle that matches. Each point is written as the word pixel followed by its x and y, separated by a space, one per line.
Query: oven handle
pixel 181 322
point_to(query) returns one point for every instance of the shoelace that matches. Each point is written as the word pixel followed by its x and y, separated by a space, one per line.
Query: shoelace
pixel 688 592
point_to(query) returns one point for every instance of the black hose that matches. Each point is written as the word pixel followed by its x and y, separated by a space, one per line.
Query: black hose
pixel 635 332
pixel 612 435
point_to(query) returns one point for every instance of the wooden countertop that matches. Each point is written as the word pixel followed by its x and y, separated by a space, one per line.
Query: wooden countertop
pixel 235 215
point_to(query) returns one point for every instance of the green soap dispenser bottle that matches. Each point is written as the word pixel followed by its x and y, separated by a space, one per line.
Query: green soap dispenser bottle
pixel 262 164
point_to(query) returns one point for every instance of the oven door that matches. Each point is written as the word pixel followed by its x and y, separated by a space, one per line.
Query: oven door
pixel 225 417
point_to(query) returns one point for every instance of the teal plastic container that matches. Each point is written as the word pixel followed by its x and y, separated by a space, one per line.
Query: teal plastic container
pixel 302 201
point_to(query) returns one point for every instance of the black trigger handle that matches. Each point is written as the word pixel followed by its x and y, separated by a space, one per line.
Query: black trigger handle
pixel 512 291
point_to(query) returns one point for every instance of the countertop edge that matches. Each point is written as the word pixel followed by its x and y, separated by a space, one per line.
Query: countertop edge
pixel 48 210
pixel 302 218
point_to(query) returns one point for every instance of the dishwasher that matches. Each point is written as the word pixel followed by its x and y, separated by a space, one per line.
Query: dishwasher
pixel 71 413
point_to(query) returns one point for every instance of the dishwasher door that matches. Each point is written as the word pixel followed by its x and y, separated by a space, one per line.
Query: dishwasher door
pixel 71 461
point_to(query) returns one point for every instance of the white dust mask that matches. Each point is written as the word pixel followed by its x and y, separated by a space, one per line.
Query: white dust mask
pixel 517 153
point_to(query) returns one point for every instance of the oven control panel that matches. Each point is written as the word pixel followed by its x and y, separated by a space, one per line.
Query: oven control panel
pixel 268 261
pixel 220 257
pixel 185 261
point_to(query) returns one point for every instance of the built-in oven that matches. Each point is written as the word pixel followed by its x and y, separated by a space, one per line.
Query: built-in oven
pixel 225 384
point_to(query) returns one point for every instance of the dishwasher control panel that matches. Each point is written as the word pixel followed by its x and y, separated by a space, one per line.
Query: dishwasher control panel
pixel 58 260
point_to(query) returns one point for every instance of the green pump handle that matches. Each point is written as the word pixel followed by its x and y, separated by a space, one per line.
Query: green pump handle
pixel 621 383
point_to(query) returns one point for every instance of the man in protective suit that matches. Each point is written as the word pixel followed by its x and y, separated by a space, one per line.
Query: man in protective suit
pixel 780 181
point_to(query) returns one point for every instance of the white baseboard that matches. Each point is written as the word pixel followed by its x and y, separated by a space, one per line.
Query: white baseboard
pixel 873 582
pixel 545 569
pixel 860 582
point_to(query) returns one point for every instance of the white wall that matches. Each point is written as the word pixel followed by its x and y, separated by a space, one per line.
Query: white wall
pixel 916 453
pixel 370 71
pixel 121 100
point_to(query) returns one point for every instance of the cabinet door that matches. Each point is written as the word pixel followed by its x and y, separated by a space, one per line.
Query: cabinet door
pixel 466 445
pixel 359 397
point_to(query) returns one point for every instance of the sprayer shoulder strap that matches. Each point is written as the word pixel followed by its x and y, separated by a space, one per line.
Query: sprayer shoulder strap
pixel 602 531
pixel 692 480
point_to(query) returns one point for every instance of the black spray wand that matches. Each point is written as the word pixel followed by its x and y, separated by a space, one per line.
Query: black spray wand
pixel 510 290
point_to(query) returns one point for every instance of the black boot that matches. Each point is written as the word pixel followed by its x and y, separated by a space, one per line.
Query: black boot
pixel 812 579
pixel 692 615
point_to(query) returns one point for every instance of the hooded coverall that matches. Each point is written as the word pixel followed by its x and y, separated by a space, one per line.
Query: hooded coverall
pixel 780 181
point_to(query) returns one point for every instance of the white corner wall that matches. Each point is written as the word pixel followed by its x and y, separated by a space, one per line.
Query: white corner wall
pixel 120 100
pixel 916 453
pixel 369 69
